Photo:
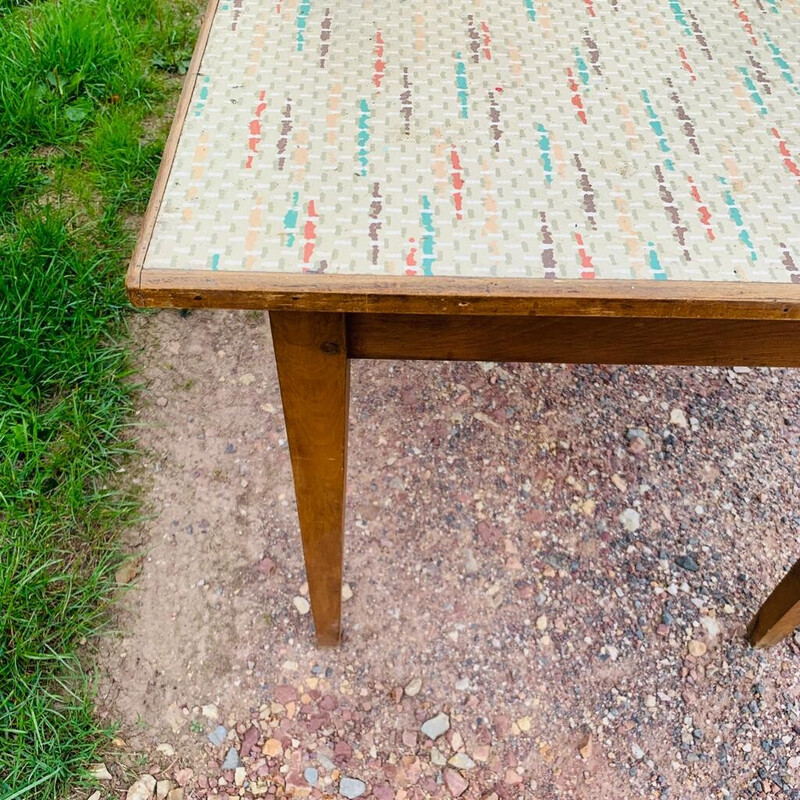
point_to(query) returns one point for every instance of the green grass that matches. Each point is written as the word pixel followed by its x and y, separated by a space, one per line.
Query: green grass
pixel 16 182
pixel 78 79
pixel 124 162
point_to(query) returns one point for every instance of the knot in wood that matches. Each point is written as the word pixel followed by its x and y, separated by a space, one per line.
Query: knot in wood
pixel 330 348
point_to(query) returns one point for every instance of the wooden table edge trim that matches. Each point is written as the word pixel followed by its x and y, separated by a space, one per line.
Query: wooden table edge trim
pixel 133 277
pixel 182 288
pixel 187 288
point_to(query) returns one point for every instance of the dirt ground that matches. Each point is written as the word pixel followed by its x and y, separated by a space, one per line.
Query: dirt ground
pixel 558 560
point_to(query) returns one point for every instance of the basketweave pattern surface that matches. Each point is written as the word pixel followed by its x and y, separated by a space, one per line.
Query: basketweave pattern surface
pixel 578 139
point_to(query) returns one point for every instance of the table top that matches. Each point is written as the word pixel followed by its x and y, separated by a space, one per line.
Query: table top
pixel 640 150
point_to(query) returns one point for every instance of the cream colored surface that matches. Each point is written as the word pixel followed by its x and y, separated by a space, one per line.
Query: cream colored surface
pixel 518 138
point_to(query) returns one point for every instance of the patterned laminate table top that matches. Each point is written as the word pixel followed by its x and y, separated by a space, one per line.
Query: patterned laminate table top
pixel 575 139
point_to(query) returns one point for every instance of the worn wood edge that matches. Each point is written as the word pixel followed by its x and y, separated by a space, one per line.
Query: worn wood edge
pixel 168 288
pixel 136 264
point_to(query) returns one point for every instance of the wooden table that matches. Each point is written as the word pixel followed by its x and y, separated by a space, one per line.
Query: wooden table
pixel 610 181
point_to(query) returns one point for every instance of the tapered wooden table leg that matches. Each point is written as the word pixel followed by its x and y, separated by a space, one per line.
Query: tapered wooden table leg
pixel 314 375
pixel 780 613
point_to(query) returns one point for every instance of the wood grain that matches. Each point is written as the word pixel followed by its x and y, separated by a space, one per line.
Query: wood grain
pixel 780 613
pixel 186 288
pixel 314 376
pixel 594 340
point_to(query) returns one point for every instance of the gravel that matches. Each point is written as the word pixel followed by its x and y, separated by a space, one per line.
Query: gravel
pixel 479 500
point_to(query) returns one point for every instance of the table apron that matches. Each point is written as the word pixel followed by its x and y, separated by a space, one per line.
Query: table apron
pixel 594 340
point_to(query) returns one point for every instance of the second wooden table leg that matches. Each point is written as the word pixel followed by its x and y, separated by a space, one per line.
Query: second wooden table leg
pixel 314 376
pixel 780 613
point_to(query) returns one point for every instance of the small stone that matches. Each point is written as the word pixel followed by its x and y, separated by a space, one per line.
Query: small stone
pixel 218 735
pixel 325 762
pixel 284 693
pixel 462 761
pixel 128 571
pixel 630 520
pixel 272 748
pixel 347 591
pixel 688 563
pixel 162 789
pixel 210 711
pixel 143 788
pixel 301 604
pixel 541 622
pixel 311 774
pixel 166 749
pixel 512 777
pixel 175 794
pixel 437 758
pixel 637 446
pixel 524 724
pixel 636 433
pixel 481 753
pixel 351 787
pixel 619 482
pixel 251 736
pixel 471 567
pixel 678 417
pixel 742 370
pixel 182 776
pixel 637 751
pixel 711 626
pixel 650 701
pixel 611 651
pixel 413 687
pixel 638 440
pixel 239 776
pixel 456 783
pixel 231 759
pixel 94 795
pixel 585 748
pixel 100 772
pixel 436 726
pixel 697 648
pixel 161 402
